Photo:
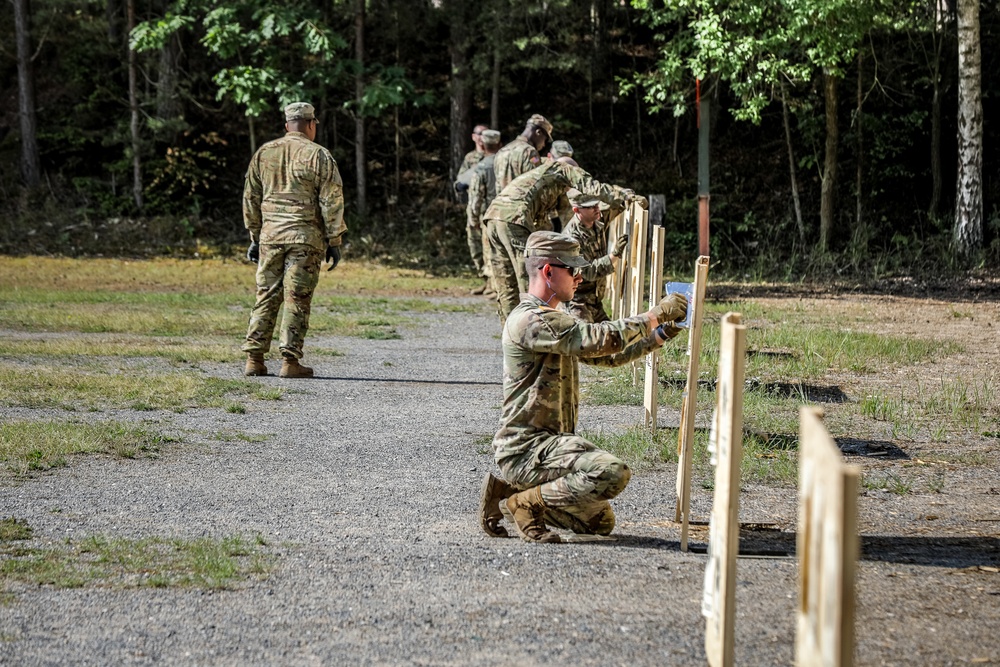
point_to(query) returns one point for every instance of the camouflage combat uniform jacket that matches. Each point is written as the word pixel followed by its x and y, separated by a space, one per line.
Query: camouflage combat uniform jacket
pixel 541 349
pixel 293 194
pixel 514 159
pixel 471 159
pixel 482 190
pixel 593 247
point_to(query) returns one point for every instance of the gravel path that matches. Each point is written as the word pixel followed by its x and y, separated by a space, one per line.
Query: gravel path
pixel 367 492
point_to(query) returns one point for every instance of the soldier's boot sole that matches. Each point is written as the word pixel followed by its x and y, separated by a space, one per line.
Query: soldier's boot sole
pixel 491 493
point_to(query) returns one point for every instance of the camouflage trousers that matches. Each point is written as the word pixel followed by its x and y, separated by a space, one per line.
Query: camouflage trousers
pixel 288 274
pixel 474 237
pixel 586 310
pixel 576 478
pixel 484 239
pixel 510 278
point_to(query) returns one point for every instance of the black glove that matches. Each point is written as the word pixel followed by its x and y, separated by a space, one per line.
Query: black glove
pixel 461 187
pixel 333 256
pixel 253 252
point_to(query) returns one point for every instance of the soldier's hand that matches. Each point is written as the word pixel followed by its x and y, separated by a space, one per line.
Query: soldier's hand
pixel 673 308
pixel 333 256
pixel 667 331
pixel 253 253
pixel 620 246
pixel 641 201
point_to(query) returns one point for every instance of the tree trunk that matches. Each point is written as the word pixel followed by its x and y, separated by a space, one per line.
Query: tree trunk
pixel 791 167
pixel 969 200
pixel 495 97
pixel 112 13
pixel 936 179
pixel 829 185
pixel 133 101
pixel 167 100
pixel 859 172
pixel 461 91
pixel 31 171
pixel 360 151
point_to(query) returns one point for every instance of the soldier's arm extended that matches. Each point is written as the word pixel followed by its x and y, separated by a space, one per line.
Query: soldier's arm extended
pixel 331 198
pixel 253 194
pixel 604 344
pixel 584 182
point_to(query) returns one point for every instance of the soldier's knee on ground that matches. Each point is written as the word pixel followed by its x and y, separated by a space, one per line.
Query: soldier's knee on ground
pixel 618 475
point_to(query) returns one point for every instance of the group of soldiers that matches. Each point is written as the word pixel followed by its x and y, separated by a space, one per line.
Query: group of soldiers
pixel 513 191
pixel 548 294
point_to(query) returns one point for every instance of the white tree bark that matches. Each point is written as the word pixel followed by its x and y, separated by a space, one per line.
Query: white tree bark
pixel 969 199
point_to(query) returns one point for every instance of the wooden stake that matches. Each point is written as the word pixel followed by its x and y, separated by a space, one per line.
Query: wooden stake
pixel 827 546
pixel 719 600
pixel 637 272
pixel 685 431
pixel 650 399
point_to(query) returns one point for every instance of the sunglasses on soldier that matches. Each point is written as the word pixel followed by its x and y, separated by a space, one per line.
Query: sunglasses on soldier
pixel 573 270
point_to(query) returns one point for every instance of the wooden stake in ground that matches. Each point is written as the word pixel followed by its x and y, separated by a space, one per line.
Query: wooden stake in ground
pixel 827 545
pixel 620 226
pixel 637 272
pixel 685 432
pixel 719 600
pixel 653 358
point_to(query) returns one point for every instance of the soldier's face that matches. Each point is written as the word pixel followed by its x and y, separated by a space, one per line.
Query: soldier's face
pixel 563 280
pixel 588 216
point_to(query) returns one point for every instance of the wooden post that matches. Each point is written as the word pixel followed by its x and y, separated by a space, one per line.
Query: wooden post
pixel 637 272
pixel 704 123
pixel 619 294
pixel 650 398
pixel 719 600
pixel 685 431
pixel 827 546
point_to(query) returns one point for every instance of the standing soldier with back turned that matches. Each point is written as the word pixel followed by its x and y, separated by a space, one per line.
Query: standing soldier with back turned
pixel 482 191
pixel 522 154
pixel 293 207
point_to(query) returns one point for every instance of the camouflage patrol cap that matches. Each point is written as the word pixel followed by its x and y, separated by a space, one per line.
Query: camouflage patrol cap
pixel 552 245
pixel 300 111
pixel 561 148
pixel 491 137
pixel 581 200
pixel 539 121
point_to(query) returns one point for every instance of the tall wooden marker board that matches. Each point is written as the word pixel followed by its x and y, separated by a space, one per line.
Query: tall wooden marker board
pixel 827 545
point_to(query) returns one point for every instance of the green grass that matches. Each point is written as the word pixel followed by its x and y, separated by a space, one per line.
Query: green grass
pixel 41 445
pixel 638 446
pixel 14 529
pixel 125 563
pixel 99 388
pixel 886 481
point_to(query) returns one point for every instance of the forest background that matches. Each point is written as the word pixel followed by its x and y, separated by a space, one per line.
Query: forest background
pixel 850 138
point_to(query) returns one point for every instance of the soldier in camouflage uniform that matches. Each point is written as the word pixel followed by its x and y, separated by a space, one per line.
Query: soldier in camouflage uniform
pixel 293 207
pixel 588 230
pixel 482 191
pixel 522 154
pixel 551 475
pixel 471 159
pixel 524 207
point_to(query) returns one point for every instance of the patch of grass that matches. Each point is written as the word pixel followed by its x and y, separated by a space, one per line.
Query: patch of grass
pixel 483 443
pixel 262 393
pixel 14 529
pixel 612 387
pixel 232 436
pixel 236 408
pixel 72 388
pixel 151 562
pixel 372 333
pixel 40 445
pixel 638 446
pixel 772 461
pixel 176 351
pixel 888 481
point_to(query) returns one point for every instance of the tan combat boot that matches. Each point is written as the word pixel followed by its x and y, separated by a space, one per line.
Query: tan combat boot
pixel 526 511
pixel 491 493
pixel 291 368
pixel 255 364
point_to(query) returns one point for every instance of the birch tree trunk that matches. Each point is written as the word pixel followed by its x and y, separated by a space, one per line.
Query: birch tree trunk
pixel 969 199
pixel 31 171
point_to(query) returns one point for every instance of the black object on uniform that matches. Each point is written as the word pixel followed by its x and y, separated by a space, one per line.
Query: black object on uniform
pixel 333 256
pixel 253 253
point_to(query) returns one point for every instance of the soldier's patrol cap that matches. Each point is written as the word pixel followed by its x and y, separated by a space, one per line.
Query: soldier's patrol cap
pixel 539 121
pixel 300 111
pixel 552 245
pixel 581 200
pixel 491 137
pixel 561 148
